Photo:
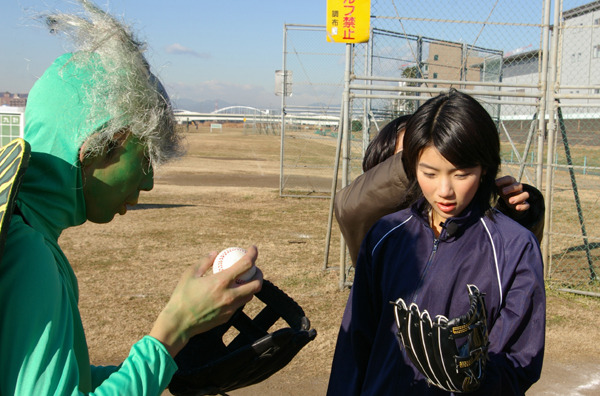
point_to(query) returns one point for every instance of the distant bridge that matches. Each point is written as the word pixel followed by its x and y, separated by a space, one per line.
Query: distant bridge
pixel 252 114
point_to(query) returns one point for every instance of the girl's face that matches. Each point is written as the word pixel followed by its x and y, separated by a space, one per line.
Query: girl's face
pixel 447 189
pixel 114 180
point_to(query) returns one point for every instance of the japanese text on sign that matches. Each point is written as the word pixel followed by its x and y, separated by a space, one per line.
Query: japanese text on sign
pixel 348 21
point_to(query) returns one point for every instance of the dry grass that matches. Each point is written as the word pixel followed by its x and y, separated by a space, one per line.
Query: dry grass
pixel 225 193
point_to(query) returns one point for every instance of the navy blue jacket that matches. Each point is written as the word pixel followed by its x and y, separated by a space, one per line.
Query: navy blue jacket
pixel 400 257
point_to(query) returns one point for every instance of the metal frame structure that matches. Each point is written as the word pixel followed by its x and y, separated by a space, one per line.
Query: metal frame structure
pixel 548 103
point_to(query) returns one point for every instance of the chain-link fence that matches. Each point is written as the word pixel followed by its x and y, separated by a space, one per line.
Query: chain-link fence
pixel 533 66
pixel 312 83
pixel 573 141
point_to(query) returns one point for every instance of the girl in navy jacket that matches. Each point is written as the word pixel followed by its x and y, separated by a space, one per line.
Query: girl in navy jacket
pixel 429 253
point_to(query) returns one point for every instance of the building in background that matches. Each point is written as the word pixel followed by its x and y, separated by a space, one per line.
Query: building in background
pixel 12 123
pixel 580 58
pixel 521 68
pixel 13 99
pixel 452 61
pixel 579 61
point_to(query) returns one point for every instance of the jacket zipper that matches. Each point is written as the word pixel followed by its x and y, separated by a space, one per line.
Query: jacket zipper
pixel 436 242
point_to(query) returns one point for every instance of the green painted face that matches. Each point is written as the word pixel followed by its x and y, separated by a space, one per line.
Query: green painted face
pixel 114 179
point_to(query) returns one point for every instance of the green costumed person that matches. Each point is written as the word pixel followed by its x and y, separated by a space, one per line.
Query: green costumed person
pixel 98 122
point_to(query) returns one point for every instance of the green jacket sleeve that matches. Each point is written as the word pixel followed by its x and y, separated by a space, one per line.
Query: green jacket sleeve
pixel 147 371
pixel 42 343
pixel 100 373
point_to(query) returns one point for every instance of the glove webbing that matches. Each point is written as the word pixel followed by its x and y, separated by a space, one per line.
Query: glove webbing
pixel 432 347
pixel 207 366
pixel 277 305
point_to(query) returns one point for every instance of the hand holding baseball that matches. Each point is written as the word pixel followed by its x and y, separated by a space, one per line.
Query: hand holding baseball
pixel 200 302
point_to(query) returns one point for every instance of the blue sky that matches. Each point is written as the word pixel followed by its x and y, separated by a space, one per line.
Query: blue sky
pixel 202 49
pixel 207 49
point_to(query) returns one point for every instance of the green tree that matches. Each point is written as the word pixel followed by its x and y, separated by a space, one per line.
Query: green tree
pixel 356 125
pixel 410 72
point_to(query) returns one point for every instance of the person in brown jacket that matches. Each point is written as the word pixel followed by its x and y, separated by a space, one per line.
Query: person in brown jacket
pixel 382 189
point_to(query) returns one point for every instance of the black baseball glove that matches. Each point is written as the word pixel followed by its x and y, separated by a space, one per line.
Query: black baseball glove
pixel 433 346
pixel 209 367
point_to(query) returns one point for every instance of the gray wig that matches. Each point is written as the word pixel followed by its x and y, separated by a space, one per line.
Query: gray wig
pixel 124 92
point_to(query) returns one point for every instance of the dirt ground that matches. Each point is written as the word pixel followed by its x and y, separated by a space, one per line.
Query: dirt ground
pixel 225 192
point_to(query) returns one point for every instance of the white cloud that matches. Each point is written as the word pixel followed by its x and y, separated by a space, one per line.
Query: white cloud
pixel 178 49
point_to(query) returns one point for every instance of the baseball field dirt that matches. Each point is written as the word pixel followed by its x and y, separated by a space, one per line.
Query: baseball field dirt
pixel 225 192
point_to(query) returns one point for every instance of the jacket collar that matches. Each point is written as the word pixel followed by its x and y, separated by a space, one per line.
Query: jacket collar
pixel 453 227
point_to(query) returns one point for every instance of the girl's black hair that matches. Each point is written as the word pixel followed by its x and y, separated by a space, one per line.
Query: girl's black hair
pixel 383 145
pixel 463 132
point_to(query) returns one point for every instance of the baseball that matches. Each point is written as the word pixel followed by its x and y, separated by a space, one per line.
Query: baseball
pixel 226 258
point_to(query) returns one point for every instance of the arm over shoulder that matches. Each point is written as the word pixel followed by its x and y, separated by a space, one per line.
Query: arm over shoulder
pixel 372 195
pixel 533 218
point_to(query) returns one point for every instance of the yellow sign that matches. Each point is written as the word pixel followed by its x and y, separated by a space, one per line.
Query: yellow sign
pixel 348 21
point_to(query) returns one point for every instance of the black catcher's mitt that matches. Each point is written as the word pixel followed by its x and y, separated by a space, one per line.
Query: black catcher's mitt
pixel 209 367
pixel 433 346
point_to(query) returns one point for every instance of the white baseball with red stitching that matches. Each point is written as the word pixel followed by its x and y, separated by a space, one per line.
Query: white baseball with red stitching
pixel 226 258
